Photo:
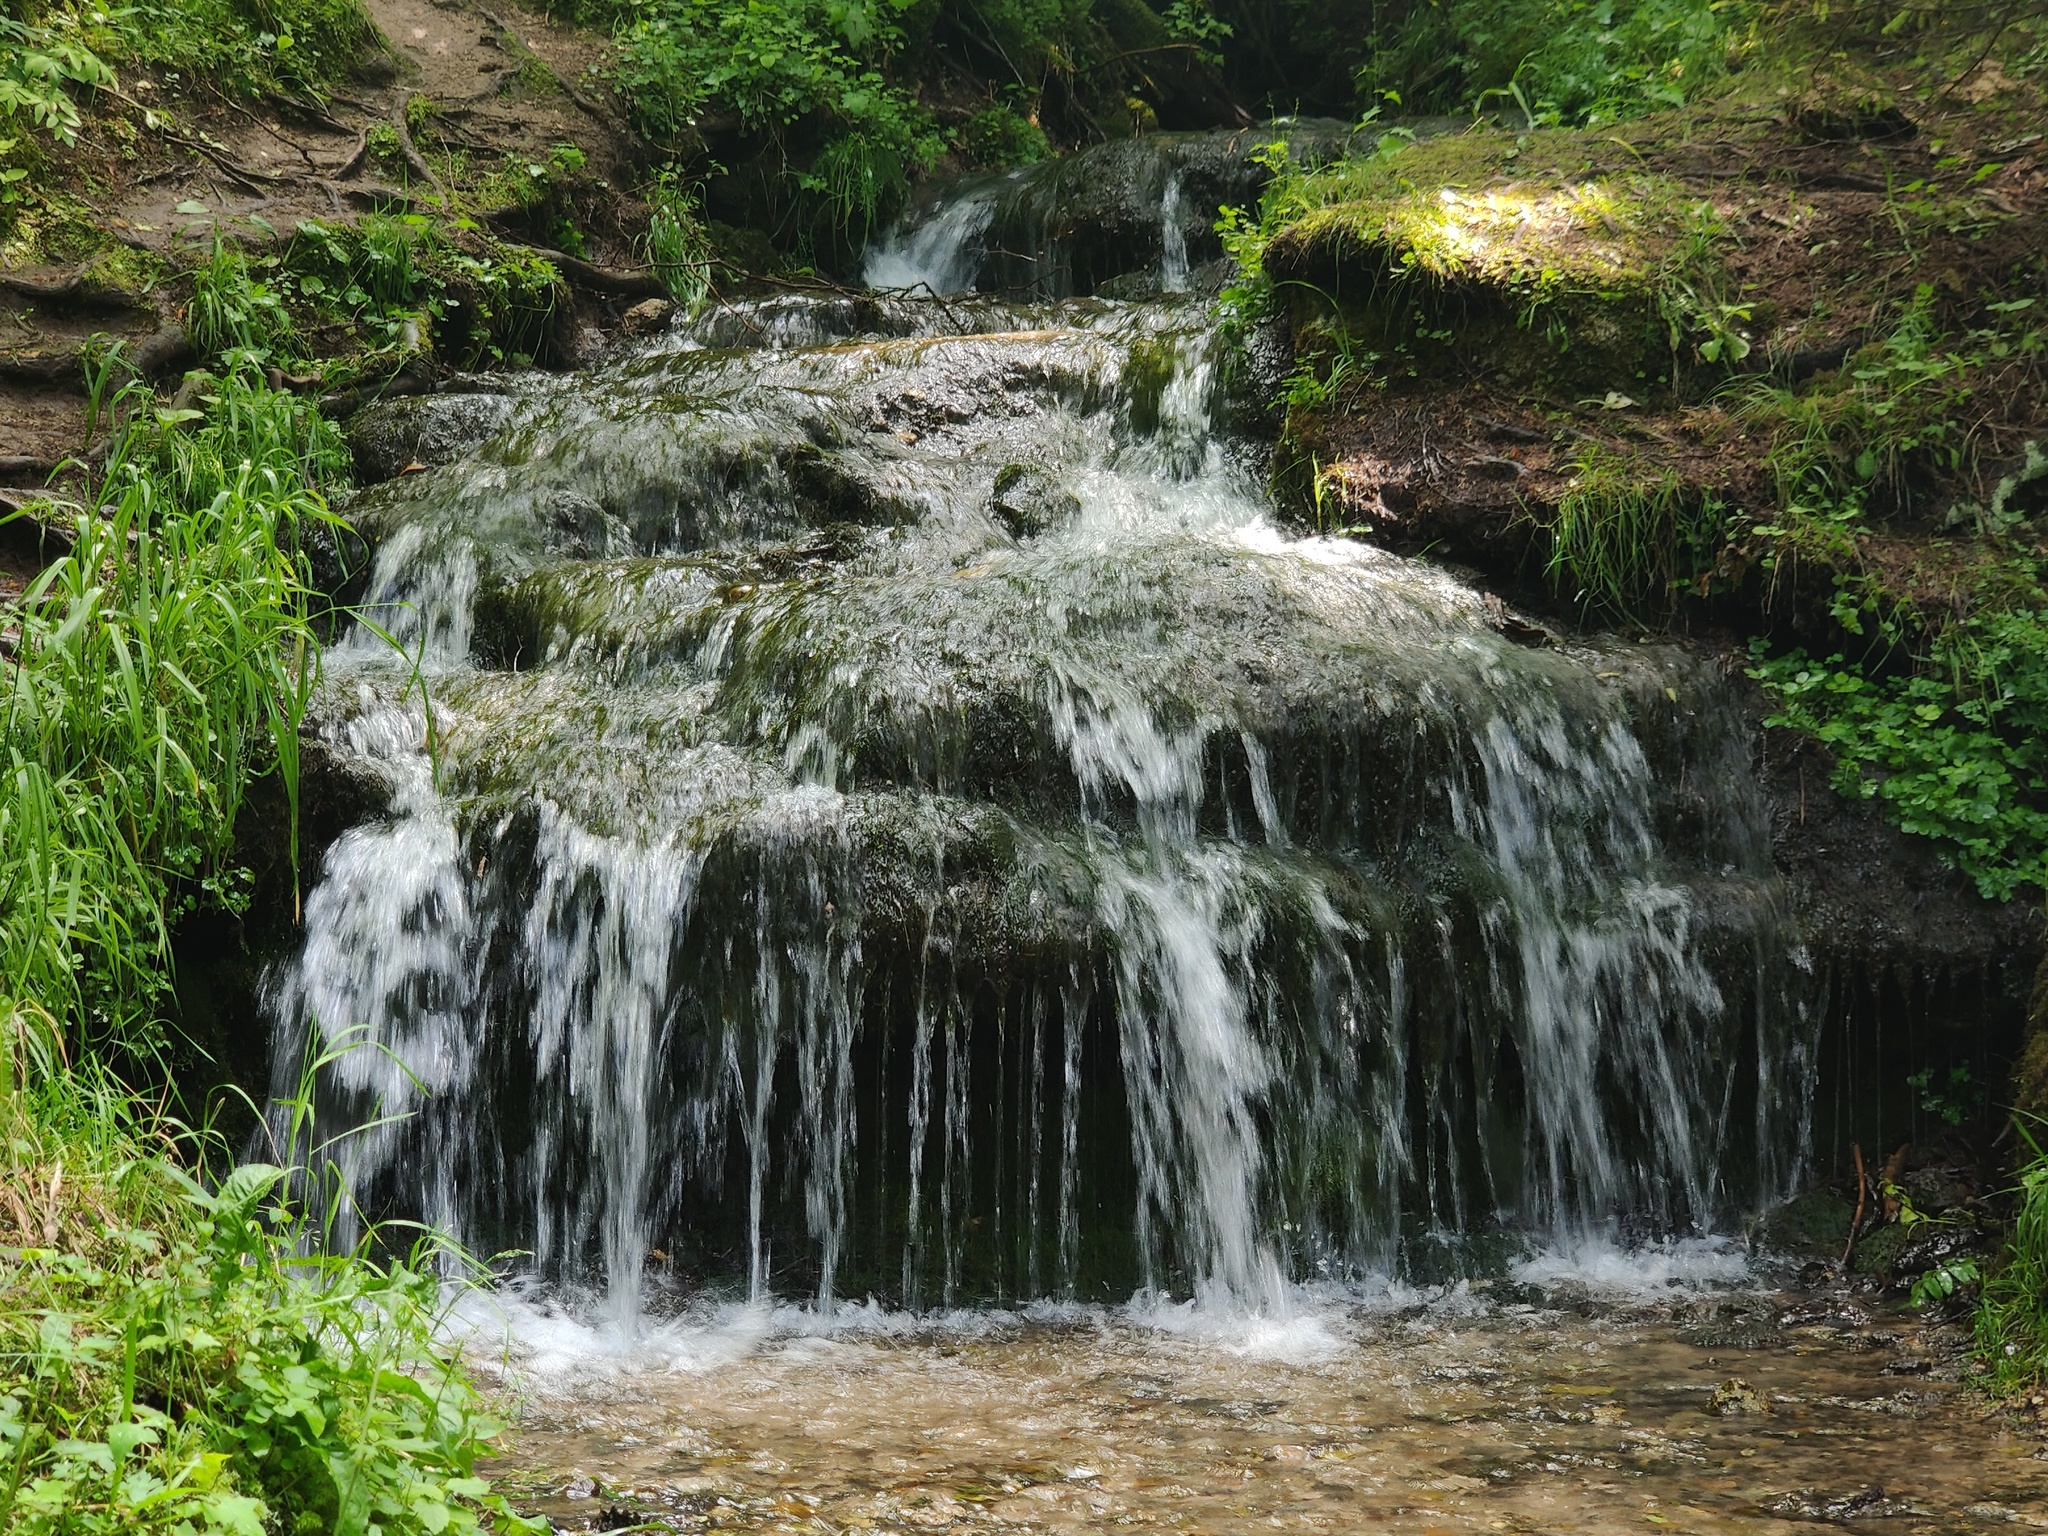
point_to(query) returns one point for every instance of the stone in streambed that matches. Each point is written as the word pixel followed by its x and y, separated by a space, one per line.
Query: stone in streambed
pixel 1029 500
pixel 1736 1396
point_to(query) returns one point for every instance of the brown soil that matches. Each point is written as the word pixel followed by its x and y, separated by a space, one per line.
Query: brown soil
pixel 504 86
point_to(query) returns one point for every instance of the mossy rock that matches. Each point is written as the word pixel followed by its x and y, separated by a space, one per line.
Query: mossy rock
pixel 1813 1220
pixel 1879 1253
pixel 1452 247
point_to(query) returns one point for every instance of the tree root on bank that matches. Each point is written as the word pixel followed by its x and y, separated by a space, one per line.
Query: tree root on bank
pixel 71 291
pixel 413 157
pixel 150 357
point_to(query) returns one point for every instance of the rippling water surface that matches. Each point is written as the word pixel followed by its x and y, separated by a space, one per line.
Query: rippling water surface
pixel 1438 1412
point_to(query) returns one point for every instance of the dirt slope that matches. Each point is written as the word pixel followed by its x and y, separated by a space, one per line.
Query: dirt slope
pixel 443 119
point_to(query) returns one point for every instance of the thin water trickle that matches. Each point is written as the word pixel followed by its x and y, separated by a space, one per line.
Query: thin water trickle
pixel 1173 239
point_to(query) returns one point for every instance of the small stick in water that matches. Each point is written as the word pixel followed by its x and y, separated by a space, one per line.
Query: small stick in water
pixel 1856 1222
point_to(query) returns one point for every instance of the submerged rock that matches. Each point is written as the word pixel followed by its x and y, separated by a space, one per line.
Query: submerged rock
pixel 1735 1397
pixel 1028 500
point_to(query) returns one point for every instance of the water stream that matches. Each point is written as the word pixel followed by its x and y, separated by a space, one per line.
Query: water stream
pixel 900 820
pixel 980 981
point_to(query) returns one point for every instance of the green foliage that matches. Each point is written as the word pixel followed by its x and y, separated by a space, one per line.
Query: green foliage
pixel 42 66
pixel 1195 23
pixel 2012 1309
pixel 774 64
pixel 1624 536
pixel 232 310
pixel 1555 62
pixel 1955 1100
pixel 1956 746
pixel 248 46
pixel 676 244
pixel 177 1356
pixel 1945 1280
pixel 403 281
pixel 1331 369
pixel 1001 138
pixel 163 660
pixel 1897 414
pixel 1942 723
pixel 545 189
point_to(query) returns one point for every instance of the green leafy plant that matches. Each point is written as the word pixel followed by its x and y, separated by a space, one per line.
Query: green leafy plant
pixel 1955 1100
pixel 1193 22
pixel 1945 1280
pixel 404 283
pixel 676 244
pixel 179 1353
pixel 42 65
pixel 234 311
pixel 774 63
pixel 248 46
pixel 1955 745
pixel 999 138
pixel 1554 62
pixel 162 661
pixel 2011 1326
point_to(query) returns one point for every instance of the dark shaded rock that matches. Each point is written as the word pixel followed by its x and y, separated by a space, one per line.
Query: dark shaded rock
pixel 1814 1220
pixel 392 436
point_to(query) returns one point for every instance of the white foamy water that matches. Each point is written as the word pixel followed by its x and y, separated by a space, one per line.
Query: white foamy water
pixel 903 823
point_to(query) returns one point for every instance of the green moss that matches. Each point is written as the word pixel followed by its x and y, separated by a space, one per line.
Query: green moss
pixel 1525 256
pixel 1816 1220
pixel 1536 240
pixel 1878 1252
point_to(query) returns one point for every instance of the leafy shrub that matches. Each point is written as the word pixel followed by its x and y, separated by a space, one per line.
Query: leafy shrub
pixel 248 46
pixel 772 63
pixel 2012 1309
pixel 232 310
pixel 1552 62
pixel 1956 747
pixel 676 244
pixel 176 1357
pixel 41 66
pixel 162 661
pixel 1001 138
pixel 399 277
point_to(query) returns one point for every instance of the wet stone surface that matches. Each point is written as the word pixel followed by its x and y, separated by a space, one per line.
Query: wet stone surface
pixel 1443 1418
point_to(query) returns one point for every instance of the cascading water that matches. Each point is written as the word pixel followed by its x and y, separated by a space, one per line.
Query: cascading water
pixel 900 820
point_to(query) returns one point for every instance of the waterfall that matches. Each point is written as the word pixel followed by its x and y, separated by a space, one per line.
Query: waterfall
pixel 1173 239
pixel 902 821
pixel 940 255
